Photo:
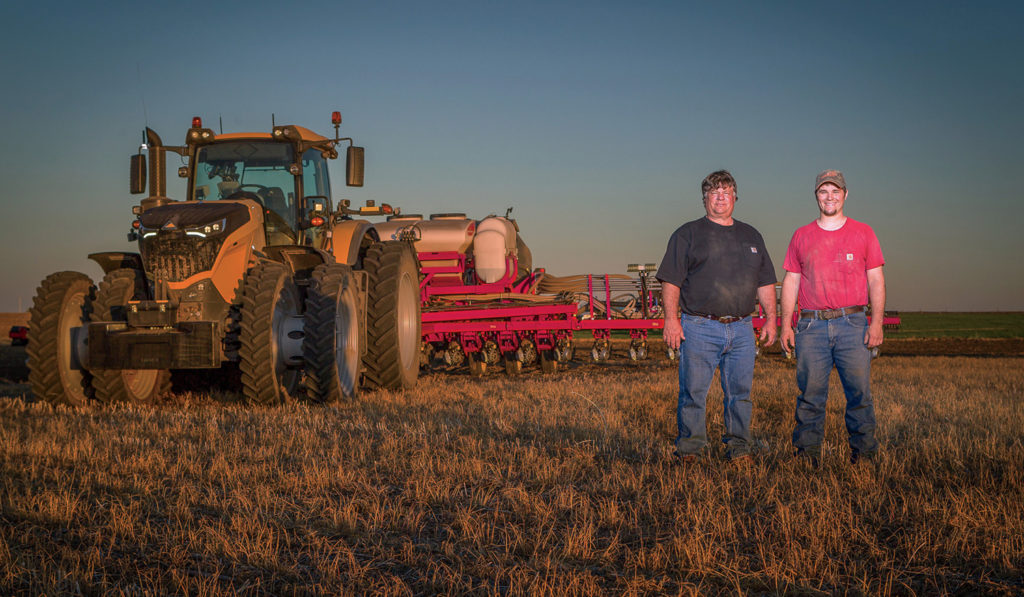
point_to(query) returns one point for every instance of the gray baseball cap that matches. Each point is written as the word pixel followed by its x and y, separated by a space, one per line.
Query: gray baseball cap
pixel 833 176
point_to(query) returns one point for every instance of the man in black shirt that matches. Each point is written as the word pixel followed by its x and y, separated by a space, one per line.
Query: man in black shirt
pixel 714 269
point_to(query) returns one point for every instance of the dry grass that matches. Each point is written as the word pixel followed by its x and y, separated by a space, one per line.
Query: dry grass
pixel 560 484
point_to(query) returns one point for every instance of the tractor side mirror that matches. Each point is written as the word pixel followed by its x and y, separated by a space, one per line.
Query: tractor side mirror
pixel 354 167
pixel 138 174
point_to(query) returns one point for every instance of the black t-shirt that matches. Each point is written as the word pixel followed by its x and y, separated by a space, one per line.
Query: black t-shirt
pixel 718 269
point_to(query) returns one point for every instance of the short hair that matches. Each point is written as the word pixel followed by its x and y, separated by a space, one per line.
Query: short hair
pixel 718 178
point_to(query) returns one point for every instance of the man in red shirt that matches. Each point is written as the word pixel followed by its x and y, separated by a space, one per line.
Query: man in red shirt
pixel 834 267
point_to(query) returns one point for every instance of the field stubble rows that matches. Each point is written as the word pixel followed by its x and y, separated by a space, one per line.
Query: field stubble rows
pixel 557 484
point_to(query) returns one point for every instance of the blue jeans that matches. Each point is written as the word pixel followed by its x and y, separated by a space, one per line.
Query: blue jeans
pixel 820 345
pixel 710 345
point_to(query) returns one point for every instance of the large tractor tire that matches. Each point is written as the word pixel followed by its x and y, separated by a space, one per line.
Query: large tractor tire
pixel 125 385
pixel 331 343
pixel 62 304
pixel 393 316
pixel 266 335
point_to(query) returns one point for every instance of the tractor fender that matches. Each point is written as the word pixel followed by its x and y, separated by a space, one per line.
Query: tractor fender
pixel 350 239
pixel 300 259
pixel 112 260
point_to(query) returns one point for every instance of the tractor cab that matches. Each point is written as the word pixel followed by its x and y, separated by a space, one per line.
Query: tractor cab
pixel 261 171
pixel 285 172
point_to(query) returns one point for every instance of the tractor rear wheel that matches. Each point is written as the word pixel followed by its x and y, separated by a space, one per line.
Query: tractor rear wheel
pixel 60 311
pixel 393 316
pixel 331 343
pixel 271 313
pixel 125 385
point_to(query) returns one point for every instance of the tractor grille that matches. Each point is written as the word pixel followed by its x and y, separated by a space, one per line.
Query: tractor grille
pixel 174 257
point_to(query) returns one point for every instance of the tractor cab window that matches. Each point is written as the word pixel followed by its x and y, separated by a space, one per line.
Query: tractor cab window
pixel 251 170
pixel 315 181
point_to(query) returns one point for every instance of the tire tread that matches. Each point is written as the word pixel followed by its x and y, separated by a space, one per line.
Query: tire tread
pixel 44 321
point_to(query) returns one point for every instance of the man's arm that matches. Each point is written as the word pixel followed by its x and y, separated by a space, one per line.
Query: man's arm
pixel 673 331
pixel 766 296
pixel 876 295
pixel 790 287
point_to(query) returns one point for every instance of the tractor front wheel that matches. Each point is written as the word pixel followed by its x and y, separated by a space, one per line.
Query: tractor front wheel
pixel 270 335
pixel 125 385
pixel 57 320
pixel 331 343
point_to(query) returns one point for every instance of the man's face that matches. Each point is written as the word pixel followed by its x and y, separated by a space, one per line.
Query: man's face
pixel 830 199
pixel 720 202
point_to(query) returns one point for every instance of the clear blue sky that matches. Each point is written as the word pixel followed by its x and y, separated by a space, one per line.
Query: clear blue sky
pixel 596 121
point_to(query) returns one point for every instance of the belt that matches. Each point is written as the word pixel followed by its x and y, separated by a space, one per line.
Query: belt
pixel 830 313
pixel 718 318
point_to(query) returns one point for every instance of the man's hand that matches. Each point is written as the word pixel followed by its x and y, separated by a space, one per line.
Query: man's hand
pixel 787 339
pixel 876 296
pixel 790 288
pixel 874 336
pixel 766 298
pixel 673 333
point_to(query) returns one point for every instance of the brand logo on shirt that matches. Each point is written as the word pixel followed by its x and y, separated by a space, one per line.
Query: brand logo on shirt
pixel 753 249
pixel 849 256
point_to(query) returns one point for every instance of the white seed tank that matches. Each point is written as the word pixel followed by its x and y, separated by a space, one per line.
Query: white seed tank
pixel 489 242
pixel 495 240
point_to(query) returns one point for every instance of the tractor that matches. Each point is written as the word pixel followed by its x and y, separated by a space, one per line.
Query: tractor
pixel 254 267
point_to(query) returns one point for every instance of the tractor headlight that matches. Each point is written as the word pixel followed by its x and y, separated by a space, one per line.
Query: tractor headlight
pixel 205 230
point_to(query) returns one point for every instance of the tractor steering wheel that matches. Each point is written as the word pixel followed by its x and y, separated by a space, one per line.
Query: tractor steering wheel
pixel 259 188
pixel 240 194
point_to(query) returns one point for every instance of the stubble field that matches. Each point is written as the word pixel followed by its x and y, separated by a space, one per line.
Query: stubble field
pixel 544 484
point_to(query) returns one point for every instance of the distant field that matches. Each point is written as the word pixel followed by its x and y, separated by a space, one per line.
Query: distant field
pixel 959 325
pixel 9 319
pixel 931 324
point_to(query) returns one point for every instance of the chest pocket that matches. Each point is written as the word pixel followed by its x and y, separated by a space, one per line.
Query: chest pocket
pixel 750 255
pixel 850 262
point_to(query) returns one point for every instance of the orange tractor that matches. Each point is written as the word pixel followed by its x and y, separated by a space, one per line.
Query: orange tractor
pixel 254 267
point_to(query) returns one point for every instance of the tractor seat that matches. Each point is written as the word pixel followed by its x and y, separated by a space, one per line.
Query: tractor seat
pixel 273 198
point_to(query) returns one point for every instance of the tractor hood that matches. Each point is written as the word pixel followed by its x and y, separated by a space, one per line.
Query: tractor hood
pixel 180 240
pixel 188 216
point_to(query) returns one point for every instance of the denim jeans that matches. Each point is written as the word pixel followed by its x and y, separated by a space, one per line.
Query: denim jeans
pixel 710 345
pixel 820 345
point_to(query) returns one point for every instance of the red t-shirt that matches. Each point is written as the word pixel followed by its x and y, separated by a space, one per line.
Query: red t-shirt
pixel 833 264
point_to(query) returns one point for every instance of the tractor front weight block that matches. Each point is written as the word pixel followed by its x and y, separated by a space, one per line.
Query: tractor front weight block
pixel 189 345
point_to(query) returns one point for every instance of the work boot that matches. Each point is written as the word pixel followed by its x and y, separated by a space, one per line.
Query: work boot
pixel 809 459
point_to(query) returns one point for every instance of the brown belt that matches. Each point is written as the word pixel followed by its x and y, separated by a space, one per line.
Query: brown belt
pixel 830 313
pixel 718 318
